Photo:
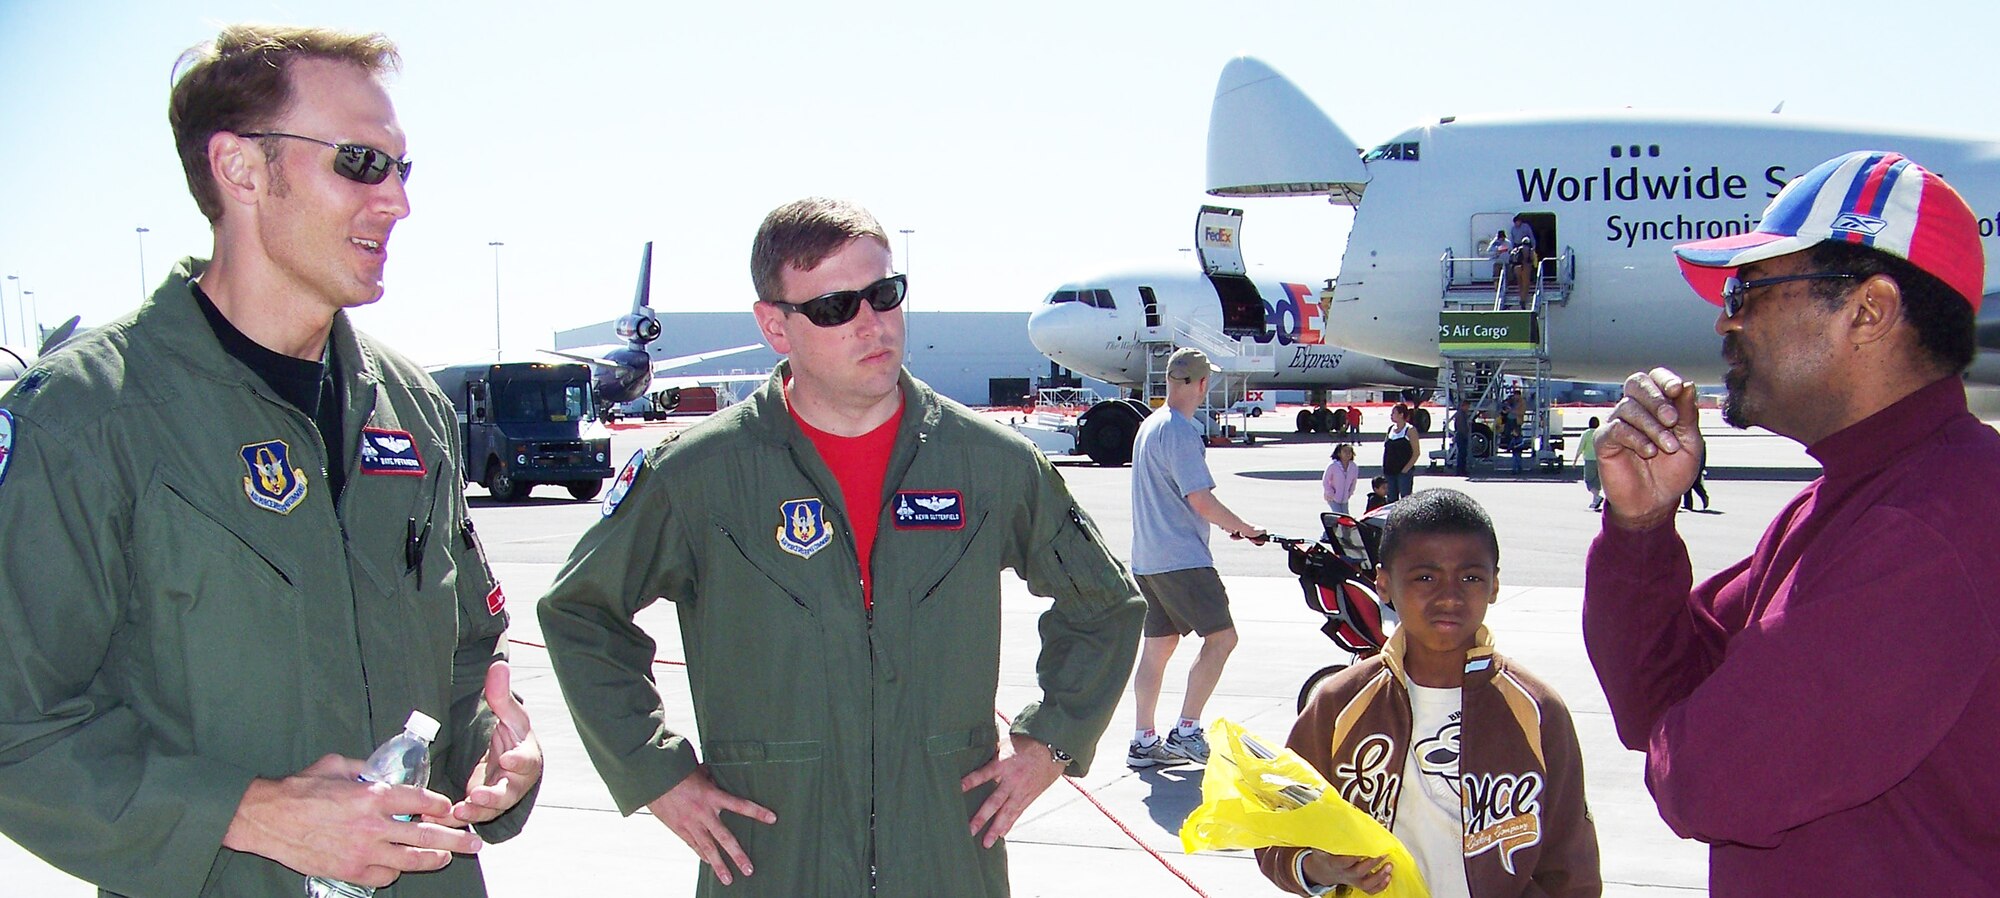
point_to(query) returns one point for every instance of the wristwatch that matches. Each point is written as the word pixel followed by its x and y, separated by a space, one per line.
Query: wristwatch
pixel 1058 755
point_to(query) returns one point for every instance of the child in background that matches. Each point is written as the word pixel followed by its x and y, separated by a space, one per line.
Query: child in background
pixel 1378 493
pixel 1336 486
pixel 1469 760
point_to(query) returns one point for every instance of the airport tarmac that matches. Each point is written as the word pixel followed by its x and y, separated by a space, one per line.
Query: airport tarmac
pixel 1114 831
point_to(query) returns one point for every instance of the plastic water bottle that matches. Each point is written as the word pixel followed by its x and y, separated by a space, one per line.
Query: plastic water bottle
pixel 403 760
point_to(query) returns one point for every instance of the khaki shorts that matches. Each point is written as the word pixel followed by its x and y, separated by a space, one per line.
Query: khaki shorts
pixel 1187 600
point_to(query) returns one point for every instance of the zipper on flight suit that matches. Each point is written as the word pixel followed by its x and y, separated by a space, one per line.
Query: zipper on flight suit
pixel 340 524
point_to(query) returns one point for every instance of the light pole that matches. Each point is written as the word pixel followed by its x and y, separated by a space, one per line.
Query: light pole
pixel 142 232
pixel 496 297
pixel 906 232
pixel 34 344
pixel 3 306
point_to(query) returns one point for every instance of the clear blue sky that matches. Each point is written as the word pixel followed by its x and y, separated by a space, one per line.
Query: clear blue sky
pixel 1025 143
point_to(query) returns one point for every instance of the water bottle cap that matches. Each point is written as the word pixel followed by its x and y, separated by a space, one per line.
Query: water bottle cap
pixel 422 726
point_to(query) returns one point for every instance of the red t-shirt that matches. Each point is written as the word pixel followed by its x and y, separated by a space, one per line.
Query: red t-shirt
pixel 859 465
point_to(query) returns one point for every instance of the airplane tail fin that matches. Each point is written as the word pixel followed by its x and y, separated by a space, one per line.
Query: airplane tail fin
pixel 61 334
pixel 642 298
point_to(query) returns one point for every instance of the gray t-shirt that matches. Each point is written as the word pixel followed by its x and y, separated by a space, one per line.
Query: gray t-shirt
pixel 1167 465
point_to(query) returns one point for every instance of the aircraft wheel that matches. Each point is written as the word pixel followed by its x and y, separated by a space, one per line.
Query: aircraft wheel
pixel 1482 441
pixel 1105 432
pixel 1312 682
pixel 1323 420
pixel 1305 424
pixel 585 490
pixel 501 483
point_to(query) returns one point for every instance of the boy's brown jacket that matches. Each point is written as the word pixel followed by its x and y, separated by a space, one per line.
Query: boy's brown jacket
pixel 1527 829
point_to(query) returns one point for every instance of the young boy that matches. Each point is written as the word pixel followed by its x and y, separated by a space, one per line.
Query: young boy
pixel 1378 492
pixel 1468 759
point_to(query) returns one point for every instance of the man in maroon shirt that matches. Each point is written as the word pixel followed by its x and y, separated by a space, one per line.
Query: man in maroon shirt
pixel 1822 713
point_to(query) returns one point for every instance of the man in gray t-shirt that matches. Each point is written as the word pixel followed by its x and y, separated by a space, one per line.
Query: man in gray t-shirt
pixel 1173 503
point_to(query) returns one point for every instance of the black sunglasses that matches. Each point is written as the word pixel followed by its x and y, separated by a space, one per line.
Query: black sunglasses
pixel 839 307
pixel 1736 291
pixel 353 161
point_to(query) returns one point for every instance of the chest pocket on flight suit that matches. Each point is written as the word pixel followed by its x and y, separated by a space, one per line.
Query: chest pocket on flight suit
pixel 224 614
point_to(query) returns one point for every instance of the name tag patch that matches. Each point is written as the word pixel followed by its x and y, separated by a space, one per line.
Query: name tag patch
pixel 390 452
pixel 930 510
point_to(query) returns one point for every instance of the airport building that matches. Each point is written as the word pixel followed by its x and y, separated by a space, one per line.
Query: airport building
pixel 977 358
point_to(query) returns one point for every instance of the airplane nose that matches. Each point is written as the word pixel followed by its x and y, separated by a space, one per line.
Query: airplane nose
pixel 1064 328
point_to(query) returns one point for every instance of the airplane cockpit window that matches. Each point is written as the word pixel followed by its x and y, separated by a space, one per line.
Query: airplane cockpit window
pixel 1062 296
pixel 1102 299
pixel 1400 151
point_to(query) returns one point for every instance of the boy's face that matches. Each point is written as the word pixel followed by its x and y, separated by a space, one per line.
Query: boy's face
pixel 1441 584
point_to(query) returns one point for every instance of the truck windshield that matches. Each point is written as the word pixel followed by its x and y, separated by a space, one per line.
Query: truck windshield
pixel 539 401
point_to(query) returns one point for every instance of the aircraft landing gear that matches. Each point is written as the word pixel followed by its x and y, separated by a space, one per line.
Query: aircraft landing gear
pixel 1106 430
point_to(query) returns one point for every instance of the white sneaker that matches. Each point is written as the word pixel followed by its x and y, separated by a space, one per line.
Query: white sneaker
pixel 1140 757
pixel 1192 747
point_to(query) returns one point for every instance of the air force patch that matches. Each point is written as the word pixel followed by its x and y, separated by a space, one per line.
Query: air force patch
pixel 930 510
pixel 622 484
pixel 802 528
pixel 390 452
pixel 273 484
pixel 6 442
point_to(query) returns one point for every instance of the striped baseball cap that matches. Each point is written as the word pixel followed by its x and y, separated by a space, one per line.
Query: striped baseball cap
pixel 1868 198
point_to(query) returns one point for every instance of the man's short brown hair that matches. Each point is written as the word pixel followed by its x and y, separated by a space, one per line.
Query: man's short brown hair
pixel 802 234
pixel 239 83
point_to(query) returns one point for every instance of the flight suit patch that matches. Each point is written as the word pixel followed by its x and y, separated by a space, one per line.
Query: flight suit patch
pixel 622 484
pixel 930 510
pixel 390 452
pixel 802 528
pixel 6 441
pixel 273 484
pixel 495 600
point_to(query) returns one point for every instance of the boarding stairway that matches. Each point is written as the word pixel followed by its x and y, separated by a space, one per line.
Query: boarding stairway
pixel 1240 360
pixel 1496 345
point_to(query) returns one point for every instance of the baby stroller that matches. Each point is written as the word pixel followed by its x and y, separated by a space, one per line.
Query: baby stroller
pixel 1337 576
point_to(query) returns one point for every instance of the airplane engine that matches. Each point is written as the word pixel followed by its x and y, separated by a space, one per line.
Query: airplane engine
pixel 640 328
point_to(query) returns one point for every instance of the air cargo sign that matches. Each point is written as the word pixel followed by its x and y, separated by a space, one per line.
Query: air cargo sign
pixel 1747 194
pixel 1486 332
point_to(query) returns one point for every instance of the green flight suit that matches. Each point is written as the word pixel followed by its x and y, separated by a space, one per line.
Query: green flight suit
pixel 853 728
pixel 183 608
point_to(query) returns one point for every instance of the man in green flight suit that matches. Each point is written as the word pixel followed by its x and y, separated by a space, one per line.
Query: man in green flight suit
pixel 236 552
pixel 833 547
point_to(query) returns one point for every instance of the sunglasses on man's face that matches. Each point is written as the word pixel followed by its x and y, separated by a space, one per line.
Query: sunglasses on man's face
pixel 839 307
pixel 361 164
pixel 1736 291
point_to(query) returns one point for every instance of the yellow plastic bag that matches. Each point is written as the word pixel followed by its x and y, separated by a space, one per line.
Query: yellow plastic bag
pixel 1253 796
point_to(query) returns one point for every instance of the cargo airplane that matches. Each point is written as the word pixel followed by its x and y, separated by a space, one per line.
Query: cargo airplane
pixel 621 373
pixel 1607 194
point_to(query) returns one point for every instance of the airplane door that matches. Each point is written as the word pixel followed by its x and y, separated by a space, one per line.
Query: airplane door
pixel 1218 241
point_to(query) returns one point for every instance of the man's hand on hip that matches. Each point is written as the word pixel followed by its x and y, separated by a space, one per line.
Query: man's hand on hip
pixel 693 810
pixel 321 821
pixel 1022 770
pixel 513 761
pixel 1650 450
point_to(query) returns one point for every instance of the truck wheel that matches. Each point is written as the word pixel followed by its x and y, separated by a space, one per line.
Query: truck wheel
pixel 1256 411
pixel 501 483
pixel 585 490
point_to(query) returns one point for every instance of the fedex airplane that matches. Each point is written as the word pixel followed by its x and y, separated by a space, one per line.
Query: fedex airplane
pixel 621 373
pixel 1268 330
pixel 1607 194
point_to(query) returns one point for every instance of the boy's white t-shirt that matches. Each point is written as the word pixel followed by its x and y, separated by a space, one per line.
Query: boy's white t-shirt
pixel 1428 817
